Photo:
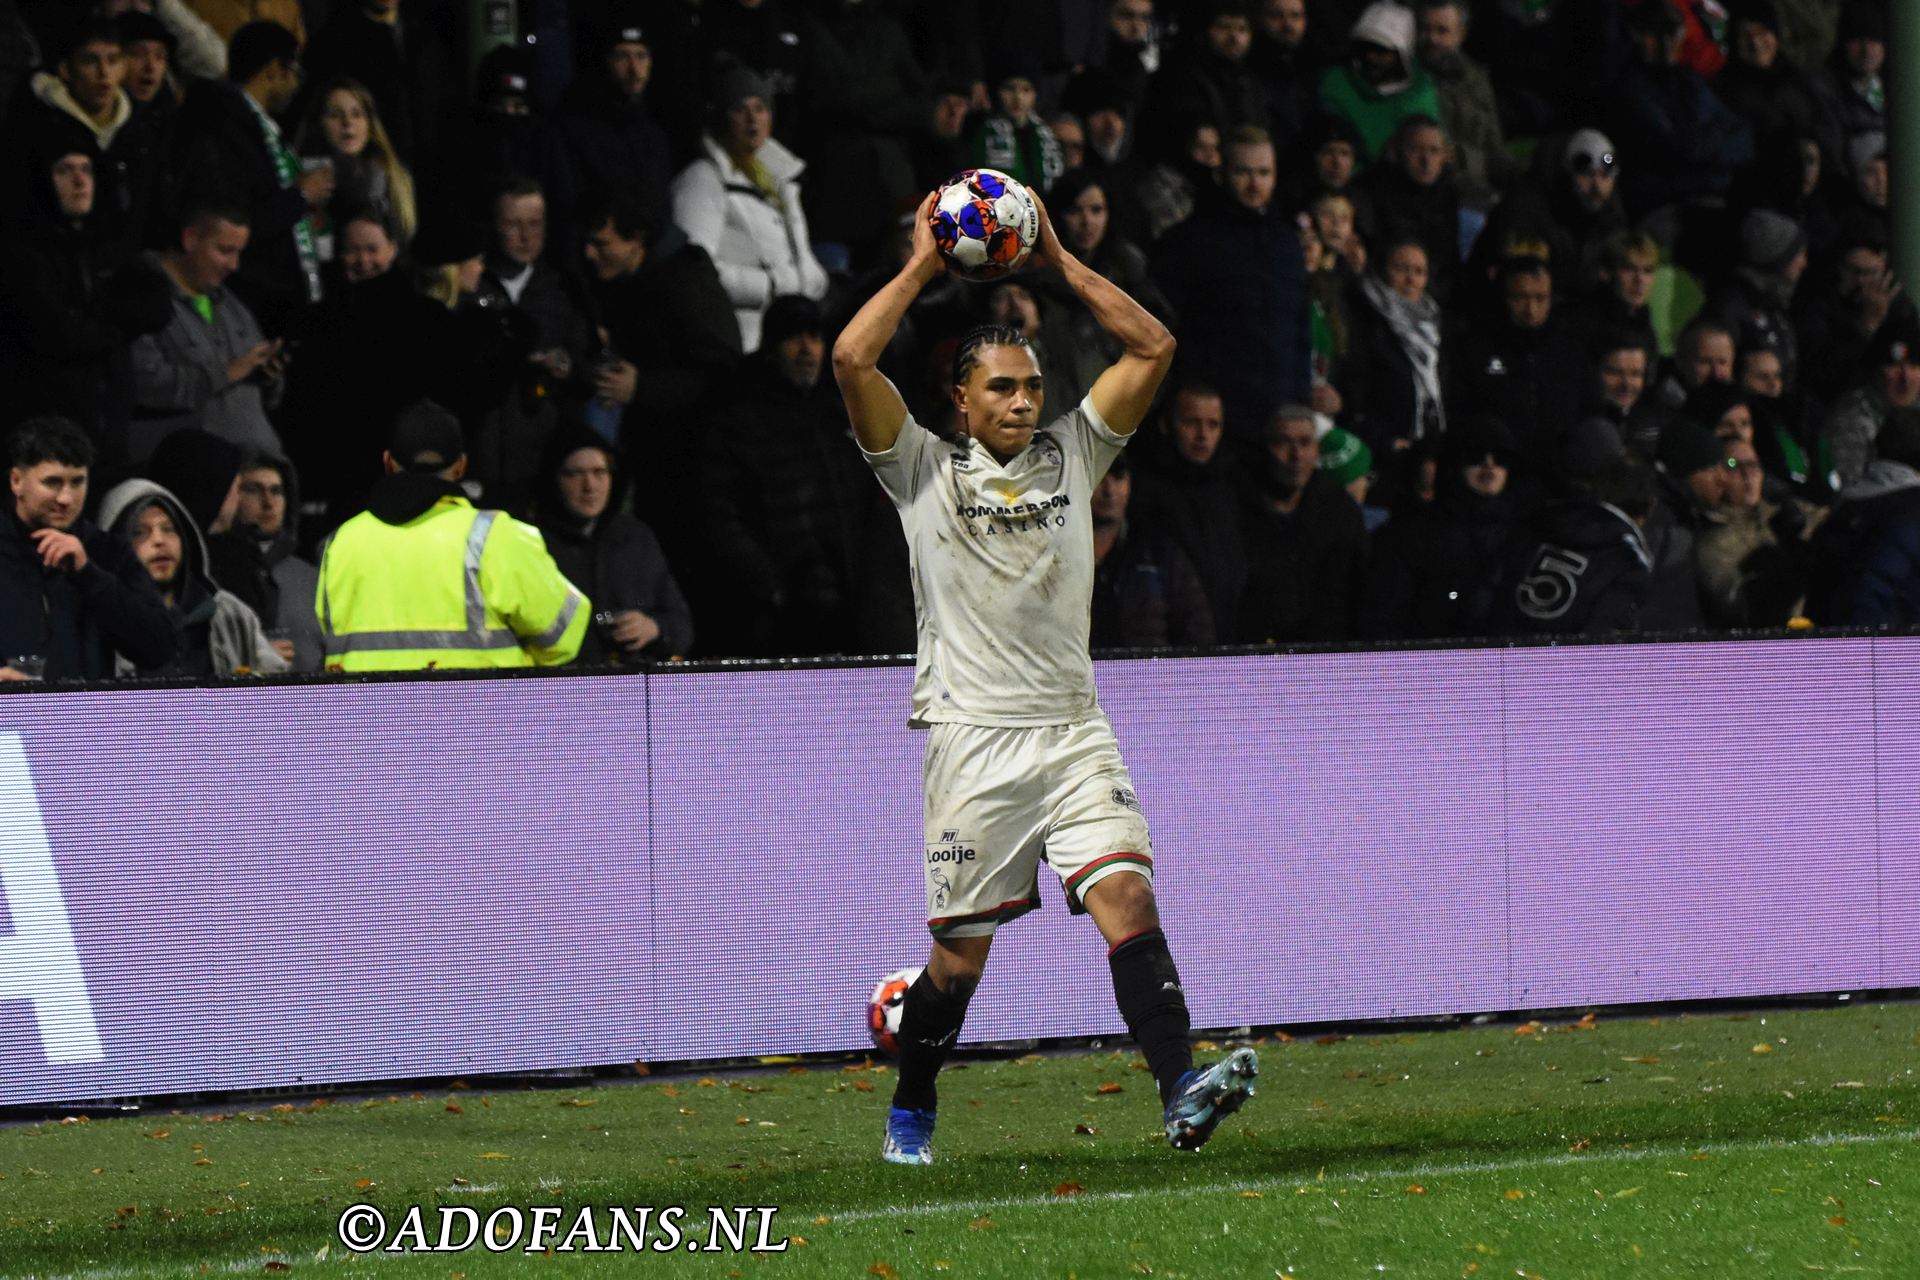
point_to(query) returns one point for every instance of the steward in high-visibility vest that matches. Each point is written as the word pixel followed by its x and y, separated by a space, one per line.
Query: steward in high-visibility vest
pixel 422 579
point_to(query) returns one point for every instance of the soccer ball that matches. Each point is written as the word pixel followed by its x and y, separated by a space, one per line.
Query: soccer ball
pixel 985 224
pixel 884 1007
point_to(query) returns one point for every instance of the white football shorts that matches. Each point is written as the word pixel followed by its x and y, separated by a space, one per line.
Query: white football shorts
pixel 1000 800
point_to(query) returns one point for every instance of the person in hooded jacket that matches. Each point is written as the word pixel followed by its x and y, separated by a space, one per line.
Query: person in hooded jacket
pixel 1381 83
pixel 1585 567
pixel 1869 549
pixel 1436 567
pixel 268 515
pixel 218 634
pixel 1185 487
pixel 71 303
pixel 640 612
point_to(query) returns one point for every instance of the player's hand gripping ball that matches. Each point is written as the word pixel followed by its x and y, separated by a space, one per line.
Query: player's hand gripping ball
pixel 985 224
pixel 884 1007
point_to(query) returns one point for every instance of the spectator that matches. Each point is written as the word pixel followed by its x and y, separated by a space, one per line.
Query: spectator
pixel 1188 492
pixel 940 148
pixel 1287 64
pixel 1684 141
pixel 787 504
pixel 268 513
pixel 1869 550
pixel 1324 159
pixel 1235 277
pixel 740 201
pixel 1211 77
pixel 1134 51
pixel 1851 83
pixel 1760 82
pixel 1889 381
pixel 478 347
pixel 551 309
pixel 1011 137
pixel 1587 569
pixel 1788 431
pixel 1172 182
pixel 203 472
pixel 194 49
pixel 228 150
pixel 70 303
pixel 640 614
pixel 1393 378
pixel 1569 220
pixel 72 595
pixel 211 366
pixel 1047 326
pixel 1146 593
pixel 342 130
pixel 218 634
pixel 372 347
pixel 864 90
pixel 504 136
pixel 665 317
pixel 1305 541
pixel 147 47
pixel 1691 480
pixel 1381 82
pixel 1753 558
pixel 1072 137
pixel 1755 303
pixel 1705 352
pixel 82 106
pixel 1436 567
pixel 608 138
pixel 1836 323
pixel 1082 215
pixel 767 38
pixel 1468 110
pixel 1524 367
pixel 1415 193
pixel 1722 408
pixel 1620 390
pixel 402 60
pixel 1628 264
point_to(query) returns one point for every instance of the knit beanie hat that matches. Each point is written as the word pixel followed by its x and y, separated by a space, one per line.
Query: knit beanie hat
pixel 1710 401
pixel 1686 447
pixel 1344 455
pixel 1769 240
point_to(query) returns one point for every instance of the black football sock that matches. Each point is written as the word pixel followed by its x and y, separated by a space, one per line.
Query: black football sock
pixel 929 1025
pixel 1147 987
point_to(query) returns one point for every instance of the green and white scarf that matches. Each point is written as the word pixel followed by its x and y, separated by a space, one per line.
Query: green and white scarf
pixel 287 165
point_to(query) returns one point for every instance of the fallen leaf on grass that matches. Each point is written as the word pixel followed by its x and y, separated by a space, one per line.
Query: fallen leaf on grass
pixel 1281 1037
pixel 798 1241
pixel 126 1211
pixel 685 1111
pixel 668 1091
pixel 456 1109
pixel 1205 1046
pixel 1516 1194
pixel 980 1224
pixel 823 1220
pixel 1328 1039
pixel 1837 1220
pixel 863 1086
pixel 1763 1048
pixel 1630 1191
pixel 1527 1029
pixel 363 1184
pixel 495 1155
pixel 1108 1087
pixel 1849 1084
pixel 743 1119
pixel 159 1134
pixel 1067 1189
pixel 1581 1145
pixel 708 1082
pixel 1415 1189
pixel 203 1160
pixel 1085 1130
pixel 1253 1195
pixel 1645 1060
pixel 884 1271
pixel 461 1182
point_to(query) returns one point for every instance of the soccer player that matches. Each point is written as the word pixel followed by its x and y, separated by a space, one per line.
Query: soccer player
pixel 1021 763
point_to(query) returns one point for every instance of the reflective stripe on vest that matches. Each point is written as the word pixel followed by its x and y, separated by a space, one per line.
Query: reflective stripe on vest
pixel 478 634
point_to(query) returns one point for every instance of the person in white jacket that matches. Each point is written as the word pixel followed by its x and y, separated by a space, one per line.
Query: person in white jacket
pixel 741 203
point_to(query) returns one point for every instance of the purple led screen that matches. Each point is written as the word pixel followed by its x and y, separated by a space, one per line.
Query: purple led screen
pixel 236 888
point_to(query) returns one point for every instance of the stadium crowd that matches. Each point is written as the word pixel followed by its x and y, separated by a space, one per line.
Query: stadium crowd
pixel 1510 316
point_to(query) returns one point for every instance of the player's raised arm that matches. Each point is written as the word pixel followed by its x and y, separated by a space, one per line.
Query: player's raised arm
pixel 873 402
pixel 1123 394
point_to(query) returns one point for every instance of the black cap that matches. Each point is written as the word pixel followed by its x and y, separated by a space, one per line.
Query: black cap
pixel 134 26
pixel 788 315
pixel 257 46
pixel 426 437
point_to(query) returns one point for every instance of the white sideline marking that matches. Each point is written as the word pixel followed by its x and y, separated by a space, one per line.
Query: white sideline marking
pixel 921 1210
pixel 1395 1174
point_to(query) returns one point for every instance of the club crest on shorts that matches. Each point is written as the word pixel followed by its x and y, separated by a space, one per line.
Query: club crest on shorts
pixel 1126 799
pixel 942 889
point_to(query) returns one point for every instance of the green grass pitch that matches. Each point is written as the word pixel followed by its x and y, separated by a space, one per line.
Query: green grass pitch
pixel 1777 1144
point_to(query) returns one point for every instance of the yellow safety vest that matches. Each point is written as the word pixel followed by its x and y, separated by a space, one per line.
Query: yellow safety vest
pixel 453 587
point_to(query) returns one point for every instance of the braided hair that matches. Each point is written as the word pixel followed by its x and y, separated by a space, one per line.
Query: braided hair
pixel 967 354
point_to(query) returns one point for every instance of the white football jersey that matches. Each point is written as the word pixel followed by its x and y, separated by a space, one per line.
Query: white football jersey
pixel 1002 570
